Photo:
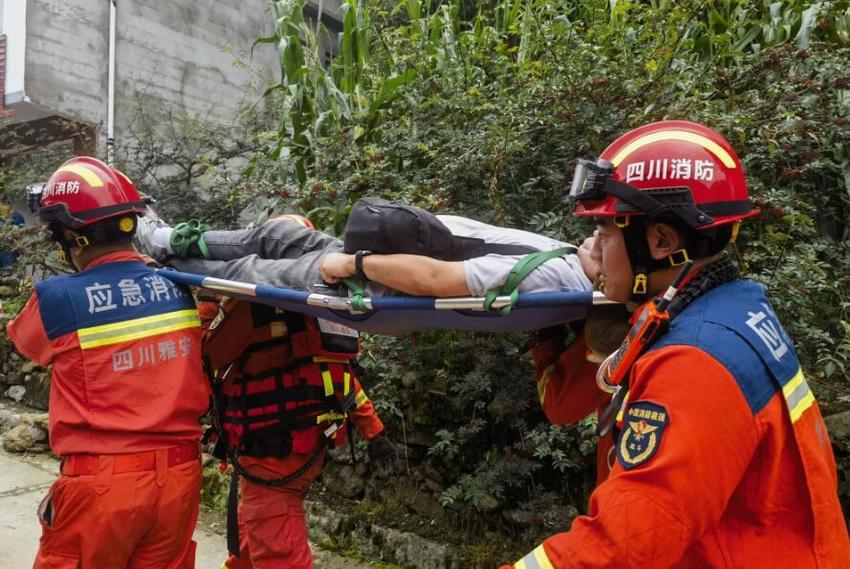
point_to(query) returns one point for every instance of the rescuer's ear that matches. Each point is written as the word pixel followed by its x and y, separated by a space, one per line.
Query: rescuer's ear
pixel 663 240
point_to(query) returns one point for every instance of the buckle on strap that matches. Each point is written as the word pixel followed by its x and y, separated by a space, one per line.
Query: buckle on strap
pixel 677 258
pixel 640 284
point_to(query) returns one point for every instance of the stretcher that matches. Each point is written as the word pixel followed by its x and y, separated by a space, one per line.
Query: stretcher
pixel 398 314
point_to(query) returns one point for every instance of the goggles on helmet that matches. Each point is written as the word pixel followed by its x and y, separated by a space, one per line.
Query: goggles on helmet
pixel 590 178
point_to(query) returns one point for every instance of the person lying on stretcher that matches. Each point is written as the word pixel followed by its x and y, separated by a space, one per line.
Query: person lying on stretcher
pixel 395 246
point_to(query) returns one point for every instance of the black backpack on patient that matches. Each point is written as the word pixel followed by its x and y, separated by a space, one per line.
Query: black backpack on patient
pixel 385 227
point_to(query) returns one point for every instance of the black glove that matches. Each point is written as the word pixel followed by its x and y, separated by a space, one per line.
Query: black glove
pixel 382 449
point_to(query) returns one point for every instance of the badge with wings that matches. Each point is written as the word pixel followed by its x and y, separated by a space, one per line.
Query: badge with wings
pixel 640 440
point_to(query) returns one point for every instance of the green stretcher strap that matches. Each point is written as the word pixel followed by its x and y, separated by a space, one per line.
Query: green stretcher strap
pixel 357 296
pixel 184 235
pixel 522 269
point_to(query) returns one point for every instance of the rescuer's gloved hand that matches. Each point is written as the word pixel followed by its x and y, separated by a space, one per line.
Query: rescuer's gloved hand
pixel 555 334
pixel 382 449
pixel 605 329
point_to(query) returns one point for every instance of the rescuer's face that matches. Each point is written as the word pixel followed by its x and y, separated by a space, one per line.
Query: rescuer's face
pixel 609 252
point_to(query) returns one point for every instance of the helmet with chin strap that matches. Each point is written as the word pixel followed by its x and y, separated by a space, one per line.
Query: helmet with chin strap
pixel 96 202
pixel 677 172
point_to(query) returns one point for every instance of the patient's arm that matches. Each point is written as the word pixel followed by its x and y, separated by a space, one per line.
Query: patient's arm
pixel 410 274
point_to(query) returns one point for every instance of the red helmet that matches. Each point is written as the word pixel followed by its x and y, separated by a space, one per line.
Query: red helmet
pixel 84 191
pixel 299 219
pixel 676 167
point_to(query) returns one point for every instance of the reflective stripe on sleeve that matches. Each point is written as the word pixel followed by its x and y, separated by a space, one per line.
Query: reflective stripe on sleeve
pixel 619 417
pixel 535 560
pixel 108 334
pixel 360 398
pixel 543 382
pixel 798 395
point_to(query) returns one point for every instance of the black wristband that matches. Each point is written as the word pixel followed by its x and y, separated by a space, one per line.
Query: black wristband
pixel 358 265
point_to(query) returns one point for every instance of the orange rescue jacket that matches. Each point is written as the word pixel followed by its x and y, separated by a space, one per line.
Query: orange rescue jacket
pixel 125 346
pixel 723 459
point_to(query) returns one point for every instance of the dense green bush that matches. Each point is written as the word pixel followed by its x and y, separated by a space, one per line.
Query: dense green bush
pixel 482 108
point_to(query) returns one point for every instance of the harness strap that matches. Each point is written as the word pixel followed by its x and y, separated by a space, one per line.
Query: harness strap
pixel 309 417
pixel 232 515
pixel 522 269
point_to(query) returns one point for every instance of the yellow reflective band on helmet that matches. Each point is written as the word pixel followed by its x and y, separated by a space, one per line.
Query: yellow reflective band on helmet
pixel 329 383
pixel 108 334
pixel 346 383
pixel 681 135
pixel 329 417
pixel 535 560
pixel 360 398
pixel 83 172
pixel 798 395
pixel 123 175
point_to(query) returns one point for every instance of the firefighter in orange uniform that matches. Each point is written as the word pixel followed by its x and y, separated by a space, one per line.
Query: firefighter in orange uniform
pixel 722 456
pixel 285 388
pixel 127 389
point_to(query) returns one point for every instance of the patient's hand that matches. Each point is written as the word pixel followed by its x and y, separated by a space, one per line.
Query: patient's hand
pixel 591 269
pixel 336 266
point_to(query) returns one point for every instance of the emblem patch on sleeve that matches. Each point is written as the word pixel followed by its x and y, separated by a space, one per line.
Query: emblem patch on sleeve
pixel 645 423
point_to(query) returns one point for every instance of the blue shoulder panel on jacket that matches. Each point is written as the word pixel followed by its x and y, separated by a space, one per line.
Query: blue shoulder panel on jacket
pixel 108 293
pixel 721 324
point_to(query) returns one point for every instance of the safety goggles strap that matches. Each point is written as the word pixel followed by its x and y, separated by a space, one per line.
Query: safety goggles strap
pixel 641 201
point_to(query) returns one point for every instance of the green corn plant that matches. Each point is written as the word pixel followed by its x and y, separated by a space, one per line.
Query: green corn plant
pixel 319 100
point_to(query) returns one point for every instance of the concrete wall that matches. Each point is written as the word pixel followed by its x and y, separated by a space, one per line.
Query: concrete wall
pixel 177 52
pixel 13 18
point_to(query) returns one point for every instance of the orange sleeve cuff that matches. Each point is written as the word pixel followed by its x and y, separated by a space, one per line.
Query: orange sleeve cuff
pixel 28 334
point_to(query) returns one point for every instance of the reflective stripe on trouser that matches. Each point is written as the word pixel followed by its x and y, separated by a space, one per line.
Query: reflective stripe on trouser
pixel 535 560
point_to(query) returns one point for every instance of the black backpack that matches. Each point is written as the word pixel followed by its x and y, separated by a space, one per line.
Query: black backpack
pixel 384 227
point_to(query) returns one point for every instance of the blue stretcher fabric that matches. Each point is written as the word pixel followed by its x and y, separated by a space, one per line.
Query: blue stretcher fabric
pixel 399 314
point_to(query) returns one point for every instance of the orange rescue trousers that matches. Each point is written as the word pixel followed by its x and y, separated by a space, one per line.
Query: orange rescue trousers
pixel 272 526
pixel 125 510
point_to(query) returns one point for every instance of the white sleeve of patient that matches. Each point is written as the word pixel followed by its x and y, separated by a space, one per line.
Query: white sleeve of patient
pixel 491 271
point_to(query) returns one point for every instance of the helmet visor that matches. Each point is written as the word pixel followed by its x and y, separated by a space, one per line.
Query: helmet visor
pixel 589 180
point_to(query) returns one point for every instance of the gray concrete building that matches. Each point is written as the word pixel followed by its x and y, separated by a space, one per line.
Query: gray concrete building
pixel 77 70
